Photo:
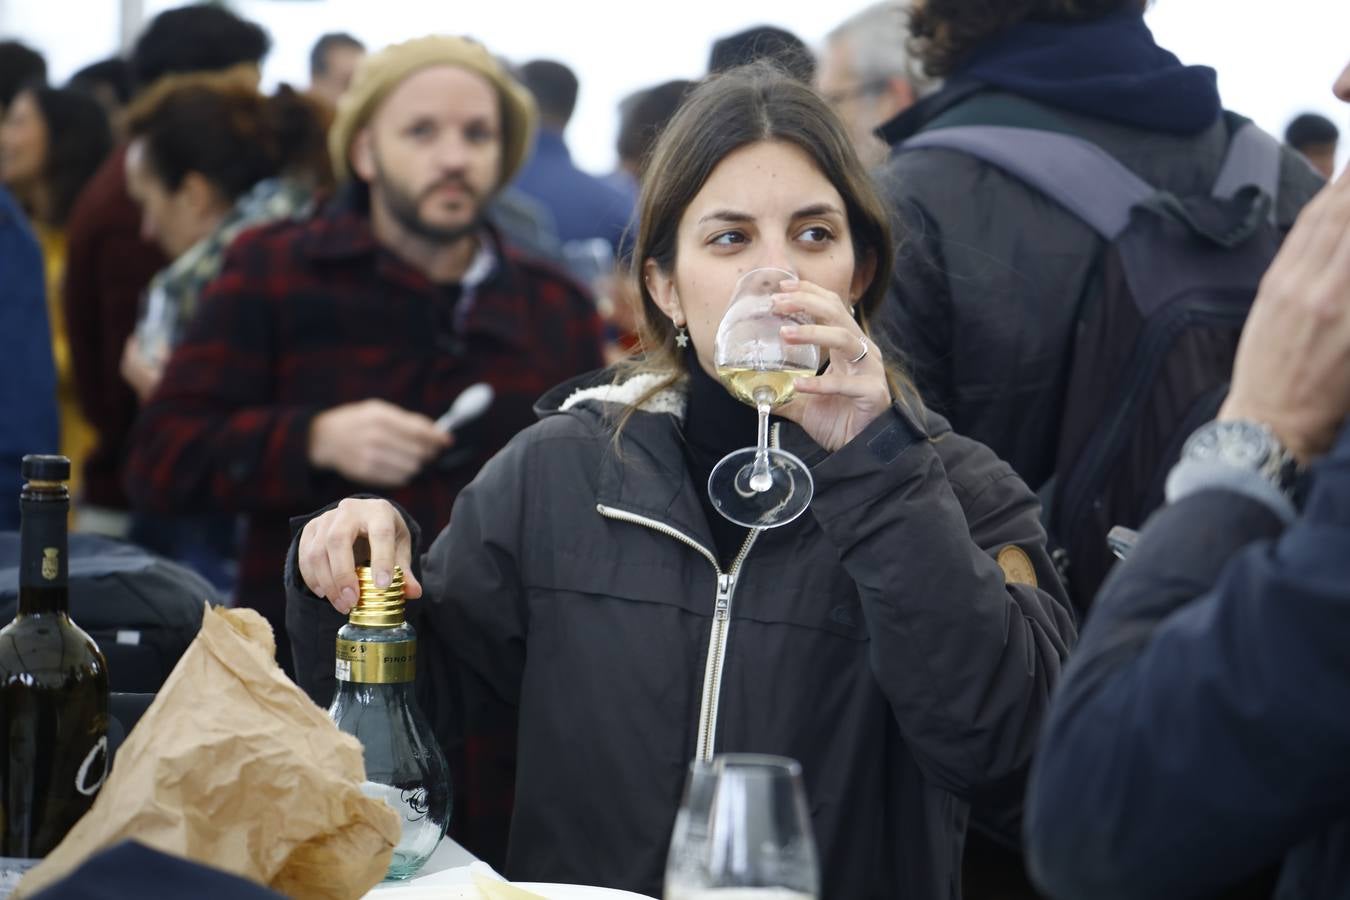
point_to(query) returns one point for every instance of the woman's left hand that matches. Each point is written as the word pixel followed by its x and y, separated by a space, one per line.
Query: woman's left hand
pixel 834 407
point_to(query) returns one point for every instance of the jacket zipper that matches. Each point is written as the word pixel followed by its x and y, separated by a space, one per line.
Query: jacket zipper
pixel 717 641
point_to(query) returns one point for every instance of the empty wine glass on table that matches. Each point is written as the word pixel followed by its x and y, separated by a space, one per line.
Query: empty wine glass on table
pixel 743 833
pixel 761 486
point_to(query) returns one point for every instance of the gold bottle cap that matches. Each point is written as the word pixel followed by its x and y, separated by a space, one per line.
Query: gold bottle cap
pixel 378 607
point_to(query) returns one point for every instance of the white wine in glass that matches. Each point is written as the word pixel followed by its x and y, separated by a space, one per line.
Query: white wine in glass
pixel 776 386
pixel 761 486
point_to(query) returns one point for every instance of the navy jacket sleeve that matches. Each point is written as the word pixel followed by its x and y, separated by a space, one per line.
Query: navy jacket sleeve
pixel 1202 729
pixel 28 375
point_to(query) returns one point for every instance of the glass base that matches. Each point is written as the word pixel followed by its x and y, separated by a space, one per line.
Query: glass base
pixel 12 870
pixel 423 819
pixel 734 496
pixel 405 864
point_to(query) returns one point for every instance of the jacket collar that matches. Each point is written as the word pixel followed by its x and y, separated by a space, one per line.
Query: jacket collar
pixel 643 472
pixel 913 120
pixel 646 473
pixel 495 300
pixel 340 230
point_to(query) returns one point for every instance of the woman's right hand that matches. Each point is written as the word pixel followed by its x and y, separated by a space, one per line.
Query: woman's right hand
pixel 330 543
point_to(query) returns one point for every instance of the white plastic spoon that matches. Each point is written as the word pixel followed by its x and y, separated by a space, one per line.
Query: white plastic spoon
pixel 471 403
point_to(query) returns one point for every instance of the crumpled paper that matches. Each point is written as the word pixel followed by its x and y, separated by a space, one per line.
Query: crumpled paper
pixel 234 767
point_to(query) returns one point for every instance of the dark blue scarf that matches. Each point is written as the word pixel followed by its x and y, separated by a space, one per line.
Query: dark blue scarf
pixel 1108 69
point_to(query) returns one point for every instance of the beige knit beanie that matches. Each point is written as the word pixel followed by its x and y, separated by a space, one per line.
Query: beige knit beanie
pixel 381 72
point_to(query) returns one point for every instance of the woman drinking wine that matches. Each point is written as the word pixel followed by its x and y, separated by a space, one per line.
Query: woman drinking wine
pixel 900 638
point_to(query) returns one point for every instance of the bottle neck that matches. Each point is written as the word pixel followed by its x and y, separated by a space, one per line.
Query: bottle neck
pixel 43 573
pixel 374 692
pixel 376 656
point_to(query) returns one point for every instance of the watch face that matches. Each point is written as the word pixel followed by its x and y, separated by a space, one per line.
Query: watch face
pixel 1246 445
pixel 1243 444
pixel 1204 444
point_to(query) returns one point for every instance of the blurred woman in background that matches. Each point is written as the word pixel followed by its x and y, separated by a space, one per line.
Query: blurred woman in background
pixel 51 142
pixel 209 157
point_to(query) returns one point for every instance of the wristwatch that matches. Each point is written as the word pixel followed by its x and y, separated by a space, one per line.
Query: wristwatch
pixel 1246 445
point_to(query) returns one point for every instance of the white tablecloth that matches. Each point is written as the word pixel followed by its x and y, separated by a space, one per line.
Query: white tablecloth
pixel 447 870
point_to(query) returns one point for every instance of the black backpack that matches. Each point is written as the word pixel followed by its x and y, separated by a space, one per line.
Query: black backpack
pixel 1158 329
pixel 141 609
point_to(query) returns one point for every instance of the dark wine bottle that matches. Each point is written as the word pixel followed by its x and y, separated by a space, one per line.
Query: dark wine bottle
pixel 53 683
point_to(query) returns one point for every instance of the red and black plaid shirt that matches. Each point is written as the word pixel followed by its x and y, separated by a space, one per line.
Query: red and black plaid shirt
pixel 308 316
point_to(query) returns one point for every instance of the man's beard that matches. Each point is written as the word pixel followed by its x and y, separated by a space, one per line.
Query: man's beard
pixel 405 208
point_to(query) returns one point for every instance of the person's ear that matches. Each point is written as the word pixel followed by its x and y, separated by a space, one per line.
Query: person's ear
pixel 863 273
pixel 662 288
pixel 362 155
pixel 897 97
pixel 200 195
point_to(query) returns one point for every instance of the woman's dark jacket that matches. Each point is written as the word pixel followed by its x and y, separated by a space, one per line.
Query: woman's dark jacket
pixel 875 639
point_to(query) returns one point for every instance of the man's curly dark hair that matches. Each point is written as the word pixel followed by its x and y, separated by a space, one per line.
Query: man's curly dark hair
pixel 945 31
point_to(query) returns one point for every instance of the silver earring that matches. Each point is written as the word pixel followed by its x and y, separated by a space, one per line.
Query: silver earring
pixel 681 337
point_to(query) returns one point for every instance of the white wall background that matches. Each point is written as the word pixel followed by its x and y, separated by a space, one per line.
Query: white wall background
pixel 1274 60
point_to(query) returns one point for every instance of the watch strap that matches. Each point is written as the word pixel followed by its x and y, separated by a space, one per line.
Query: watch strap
pixel 1191 476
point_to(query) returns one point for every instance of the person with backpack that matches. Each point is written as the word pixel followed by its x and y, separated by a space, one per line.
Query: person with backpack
pixel 995 275
pixel 1200 738
pixel 1018 324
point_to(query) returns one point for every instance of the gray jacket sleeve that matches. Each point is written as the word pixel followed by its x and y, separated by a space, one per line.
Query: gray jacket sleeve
pixel 966 659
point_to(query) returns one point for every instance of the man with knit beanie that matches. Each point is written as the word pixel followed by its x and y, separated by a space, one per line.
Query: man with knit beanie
pixel 321 357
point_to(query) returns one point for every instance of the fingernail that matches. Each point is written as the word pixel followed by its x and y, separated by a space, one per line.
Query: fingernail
pixel 788 330
pixel 348 598
pixel 383 578
pixel 788 282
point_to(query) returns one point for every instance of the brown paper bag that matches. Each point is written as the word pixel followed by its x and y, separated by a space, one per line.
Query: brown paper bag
pixel 234 767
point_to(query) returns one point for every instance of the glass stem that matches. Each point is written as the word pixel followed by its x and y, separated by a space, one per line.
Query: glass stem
pixel 760 478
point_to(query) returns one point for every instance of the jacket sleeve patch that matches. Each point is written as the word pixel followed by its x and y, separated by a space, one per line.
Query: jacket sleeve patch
pixel 1016 566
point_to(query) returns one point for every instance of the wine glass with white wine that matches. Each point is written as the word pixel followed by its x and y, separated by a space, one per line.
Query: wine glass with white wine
pixel 761 486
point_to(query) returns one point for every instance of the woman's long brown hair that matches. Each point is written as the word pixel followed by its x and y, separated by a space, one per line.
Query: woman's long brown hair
pixel 726 112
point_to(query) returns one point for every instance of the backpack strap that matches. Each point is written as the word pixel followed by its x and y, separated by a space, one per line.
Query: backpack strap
pixel 1253 158
pixel 1077 174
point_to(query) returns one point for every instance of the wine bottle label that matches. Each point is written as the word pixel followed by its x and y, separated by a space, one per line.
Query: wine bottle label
pixel 370 662
pixel 43 540
pixel 93 769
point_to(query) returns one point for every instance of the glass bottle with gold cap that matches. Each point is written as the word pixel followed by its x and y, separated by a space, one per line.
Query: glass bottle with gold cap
pixel 374 701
